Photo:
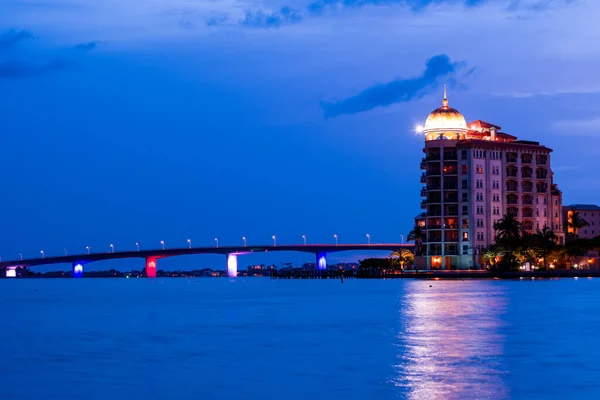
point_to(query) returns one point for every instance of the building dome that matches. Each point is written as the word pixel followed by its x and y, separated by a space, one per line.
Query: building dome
pixel 445 122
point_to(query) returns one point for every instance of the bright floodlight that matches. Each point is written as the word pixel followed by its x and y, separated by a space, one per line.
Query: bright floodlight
pixel 419 128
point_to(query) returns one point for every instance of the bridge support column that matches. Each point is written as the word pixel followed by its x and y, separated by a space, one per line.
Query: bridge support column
pixel 232 265
pixel 150 267
pixel 77 269
pixel 321 261
pixel 11 272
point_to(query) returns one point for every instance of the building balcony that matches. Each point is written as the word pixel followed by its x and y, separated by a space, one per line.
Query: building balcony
pixel 423 178
pixel 434 187
pixel 526 160
pixel 450 156
pixel 424 204
pixel 527 201
pixel 423 192
pixel 433 157
pixel 527 189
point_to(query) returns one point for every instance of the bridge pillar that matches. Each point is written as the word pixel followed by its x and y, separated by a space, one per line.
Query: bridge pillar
pixel 150 267
pixel 77 269
pixel 321 261
pixel 232 265
pixel 11 272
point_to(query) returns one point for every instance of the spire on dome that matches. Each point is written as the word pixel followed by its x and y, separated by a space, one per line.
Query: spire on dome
pixel 445 101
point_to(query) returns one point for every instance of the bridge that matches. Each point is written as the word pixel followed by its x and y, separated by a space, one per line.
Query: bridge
pixel 77 261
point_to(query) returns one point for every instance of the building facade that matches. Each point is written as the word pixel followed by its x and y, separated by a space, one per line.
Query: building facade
pixel 590 213
pixel 473 175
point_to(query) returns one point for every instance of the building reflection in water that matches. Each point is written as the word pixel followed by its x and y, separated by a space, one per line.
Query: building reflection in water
pixel 450 344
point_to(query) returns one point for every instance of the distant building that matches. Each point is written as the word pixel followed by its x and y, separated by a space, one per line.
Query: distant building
pixel 474 175
pixel 588 212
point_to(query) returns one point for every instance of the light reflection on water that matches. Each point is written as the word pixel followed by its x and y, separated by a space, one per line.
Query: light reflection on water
pixel 449 343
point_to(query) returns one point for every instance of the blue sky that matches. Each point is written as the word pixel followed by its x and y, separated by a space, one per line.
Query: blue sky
pixel 167 120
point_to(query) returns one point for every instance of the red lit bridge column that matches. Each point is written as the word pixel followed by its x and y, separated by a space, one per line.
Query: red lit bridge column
pixel 151 267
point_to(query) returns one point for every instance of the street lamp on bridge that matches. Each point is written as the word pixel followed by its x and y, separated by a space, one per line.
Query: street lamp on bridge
pixel 65 252
pixel 402 236
pixel 336 239
pixel 244 239
pixel 274 240
pixel 189 243
pixel 112 248
pixel 216 242
pixel 20 256
pixel 162 243
pixel 42 252
pixel 88 249
pixel 304 238
pixel 368 239
pixel 137 246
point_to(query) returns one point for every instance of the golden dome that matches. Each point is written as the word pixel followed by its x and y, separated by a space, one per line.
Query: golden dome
pixel 445 122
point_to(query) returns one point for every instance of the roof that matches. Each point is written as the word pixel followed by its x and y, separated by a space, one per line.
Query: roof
pixel 482 125
pixel 509 145
pixel 587 207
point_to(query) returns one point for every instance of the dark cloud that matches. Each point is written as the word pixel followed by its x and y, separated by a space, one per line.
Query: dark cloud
pixel 12 37
pixel 276 19
pixel 288 16
pixel 416 5
pixel 86 46
pixel 12 69
pixel 437 68
pixel 260 19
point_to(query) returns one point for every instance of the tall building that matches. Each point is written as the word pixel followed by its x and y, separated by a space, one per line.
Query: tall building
pixel 474 175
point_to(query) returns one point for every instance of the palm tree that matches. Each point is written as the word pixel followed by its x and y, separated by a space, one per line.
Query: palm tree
pixel 545 241
pixel 404 257
pixel 417 235
pixel 490 254
pixel 509 235
pixel 576 222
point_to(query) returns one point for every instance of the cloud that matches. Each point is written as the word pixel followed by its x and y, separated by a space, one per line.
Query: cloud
pixel 288 15
pixel 12 37
pixel 67 58
pixel 586 127
pixel 401 90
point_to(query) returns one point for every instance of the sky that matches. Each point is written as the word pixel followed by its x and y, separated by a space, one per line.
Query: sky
pixel 143 121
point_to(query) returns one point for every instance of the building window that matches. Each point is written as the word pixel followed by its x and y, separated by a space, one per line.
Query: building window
pixel 545 212
pixel 479 169
pixel 465 249
pixel 464 183
pixel 465 223
pixel 479 196
pixel 495 170
pixel 496 185
pixel 480 236
pixel 465 197
pixel 465 209
pixel 465 236
pixel 479 183
pixel 495 197
pixel 480 210
pixel 463 154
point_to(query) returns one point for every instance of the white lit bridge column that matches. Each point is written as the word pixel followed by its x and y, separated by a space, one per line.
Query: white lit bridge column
pixel 321 261
pixel 11 272
pixel 232 265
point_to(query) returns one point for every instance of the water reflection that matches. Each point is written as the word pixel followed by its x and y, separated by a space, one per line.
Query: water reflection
pixel 449 342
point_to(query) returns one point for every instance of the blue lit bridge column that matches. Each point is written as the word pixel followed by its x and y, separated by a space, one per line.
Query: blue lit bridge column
pixel 78 269
pixel 321 261
pixel 232 265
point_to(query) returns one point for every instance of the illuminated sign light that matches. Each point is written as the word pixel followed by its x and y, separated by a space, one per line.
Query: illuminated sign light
pixel 11 272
